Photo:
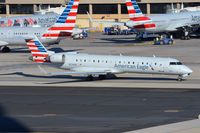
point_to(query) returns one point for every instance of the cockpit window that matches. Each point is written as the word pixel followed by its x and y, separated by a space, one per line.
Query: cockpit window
pixel 176 63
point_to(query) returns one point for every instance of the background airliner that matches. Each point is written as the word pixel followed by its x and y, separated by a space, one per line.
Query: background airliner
pixel 163 23
pixel 49 35
pixel 103 65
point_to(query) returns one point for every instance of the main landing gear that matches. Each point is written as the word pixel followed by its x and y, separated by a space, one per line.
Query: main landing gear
pixel 92 77
pixel 5 49
pixel 186 34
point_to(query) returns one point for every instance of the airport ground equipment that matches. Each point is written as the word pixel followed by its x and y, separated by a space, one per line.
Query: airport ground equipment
pixel 164 40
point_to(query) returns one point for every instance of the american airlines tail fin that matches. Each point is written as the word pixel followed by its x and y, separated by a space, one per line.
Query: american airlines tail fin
pixel 135 12
pixel 39 53
pixel 66 21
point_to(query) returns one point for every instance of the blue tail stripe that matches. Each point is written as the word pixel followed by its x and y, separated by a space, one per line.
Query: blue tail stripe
pixel 63 17
pixel 40 46
pixel 136 6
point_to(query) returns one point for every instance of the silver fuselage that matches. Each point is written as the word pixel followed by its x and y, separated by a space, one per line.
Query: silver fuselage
pixel 123 64
pixel 172 22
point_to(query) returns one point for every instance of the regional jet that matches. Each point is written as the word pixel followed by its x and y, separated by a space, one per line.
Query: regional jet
pixel 185 22
pixel 101 66
pixel 63 28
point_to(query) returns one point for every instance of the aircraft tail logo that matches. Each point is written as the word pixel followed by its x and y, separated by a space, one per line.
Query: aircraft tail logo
pixel 136 15
pixel 38 51
pixel 66 21
pixel 135 12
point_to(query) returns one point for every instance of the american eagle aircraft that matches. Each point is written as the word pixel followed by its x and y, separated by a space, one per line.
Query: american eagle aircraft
pixel 49 35
pixel 163 23
pixel 103 65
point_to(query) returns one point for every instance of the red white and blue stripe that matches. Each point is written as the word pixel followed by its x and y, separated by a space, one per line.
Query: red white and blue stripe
pixel 38 51
pixel 136 15
pixel 65 23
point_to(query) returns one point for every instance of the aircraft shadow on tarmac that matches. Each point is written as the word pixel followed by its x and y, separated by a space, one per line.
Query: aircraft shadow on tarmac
pixel 8 124
pixel 56 49
pixel 83 79
pixel 120 40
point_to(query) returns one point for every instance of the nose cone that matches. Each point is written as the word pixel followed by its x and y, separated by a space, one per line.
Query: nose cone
pixel 187 70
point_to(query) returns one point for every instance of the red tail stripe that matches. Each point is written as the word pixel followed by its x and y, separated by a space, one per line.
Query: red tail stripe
pixel 57 35
pixel 129 4
pixel 75 7
pixel 131 11
pixel 140 19
pixel 32 46
pixel 35 51
pixel 40 55
pixel 61 28
pixel 145 26
pixel 70 21
pixel 72 14
pixel 39 61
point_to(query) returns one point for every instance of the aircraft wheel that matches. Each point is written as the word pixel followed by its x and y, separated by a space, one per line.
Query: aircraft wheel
pixel 90 78
pixel 102 77
pixel 180 78
pixel 170 42
pixel 5 49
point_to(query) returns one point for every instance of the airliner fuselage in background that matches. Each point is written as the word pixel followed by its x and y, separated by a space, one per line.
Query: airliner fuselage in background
pixel 63 28
pixel 42 20
pixel 162 23
pixel 184 21
pixel 18 35
pixel 169 22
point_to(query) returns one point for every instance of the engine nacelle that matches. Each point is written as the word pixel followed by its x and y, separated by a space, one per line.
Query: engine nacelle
pixel 57 58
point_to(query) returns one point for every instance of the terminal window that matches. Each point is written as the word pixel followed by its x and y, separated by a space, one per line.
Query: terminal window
pixel 2 9
pixel 21 9
pixel 83 9
pixel 191 4
pixel 160 8
pixel 105 9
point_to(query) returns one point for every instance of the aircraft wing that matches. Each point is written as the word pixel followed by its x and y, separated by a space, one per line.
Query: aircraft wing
pixel 82 71
pixel 77 73
pixel 3 43
pixel 106 22
pixel 127 24
pixel 179 26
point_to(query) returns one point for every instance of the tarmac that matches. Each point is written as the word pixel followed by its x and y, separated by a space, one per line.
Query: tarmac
pixel 33 101
pixel 89 110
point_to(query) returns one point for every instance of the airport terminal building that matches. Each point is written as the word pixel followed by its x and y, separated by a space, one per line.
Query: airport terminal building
pixel 114 10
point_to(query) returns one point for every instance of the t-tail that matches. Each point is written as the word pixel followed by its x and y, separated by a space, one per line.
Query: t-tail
pixel 136 15
pixel 39 53
pixel 65 23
